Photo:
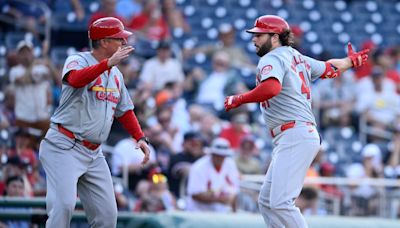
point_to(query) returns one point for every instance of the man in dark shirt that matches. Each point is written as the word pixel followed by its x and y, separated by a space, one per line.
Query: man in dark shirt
pixel 193 148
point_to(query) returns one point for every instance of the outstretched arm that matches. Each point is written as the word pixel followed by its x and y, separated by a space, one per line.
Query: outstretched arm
pixel 264 91
pixel 353 59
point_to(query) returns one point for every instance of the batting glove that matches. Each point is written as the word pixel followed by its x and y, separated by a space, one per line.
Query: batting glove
pixel 233 102
pixel 357 58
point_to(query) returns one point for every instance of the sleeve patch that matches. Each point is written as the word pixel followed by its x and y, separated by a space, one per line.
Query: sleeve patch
pixel 266 69
pixel 72 64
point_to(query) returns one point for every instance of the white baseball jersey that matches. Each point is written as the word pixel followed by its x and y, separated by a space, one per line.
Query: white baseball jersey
pixel 89 111
pixel 295 72
pixel 203 177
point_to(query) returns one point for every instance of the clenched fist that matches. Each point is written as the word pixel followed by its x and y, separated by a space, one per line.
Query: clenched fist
pixel 357 58
pixel 233 102
pixel 121 54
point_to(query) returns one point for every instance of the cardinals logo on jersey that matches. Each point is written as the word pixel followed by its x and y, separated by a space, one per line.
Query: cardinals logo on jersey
pixel 105 93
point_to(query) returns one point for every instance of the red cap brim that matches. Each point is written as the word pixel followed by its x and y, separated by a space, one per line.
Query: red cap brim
pixel 256 30
pixel 123 34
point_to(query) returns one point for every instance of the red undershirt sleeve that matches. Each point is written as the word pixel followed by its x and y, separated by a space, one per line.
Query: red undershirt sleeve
pixel 131 124
pixel 82 77
pixel 264 91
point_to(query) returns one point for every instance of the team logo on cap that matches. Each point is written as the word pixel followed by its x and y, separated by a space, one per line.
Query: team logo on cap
pixel 265 70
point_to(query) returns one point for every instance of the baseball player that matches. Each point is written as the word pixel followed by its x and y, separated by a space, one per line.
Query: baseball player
pixel 93 94
pixel 283 90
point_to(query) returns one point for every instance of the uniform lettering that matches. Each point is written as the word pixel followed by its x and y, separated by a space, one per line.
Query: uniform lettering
pixel 100 95
pixel 299 60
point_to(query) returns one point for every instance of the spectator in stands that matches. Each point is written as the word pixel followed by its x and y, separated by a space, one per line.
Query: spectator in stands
pixel 307 202
pixel 172 96
pixel 175 18
pixel 164 117
pixel 159 189
pixel 328 170
pixel 364 196
pixel 161 69
pixel 213 180
pixel 210 126
pixel 191 83
pixel 150 23
pixel 25 16
pixel 388 65
pixel 24 147
pixel 129 8
pixel 366 84
pixel 15 188
pixel 106 9
pixel 130 69
pixel 392 169
pixel 16 167
pixel 158 198
pixel 7 107
pixel 236 129
pixel 245 159
pixel 226 43
pixel 180 163
pixel 125 156
pixel 33 96
pixel 222 81
pixel 25 150
pixel 381 107
pixel 78 9
pixel 335 99
pixel 196 114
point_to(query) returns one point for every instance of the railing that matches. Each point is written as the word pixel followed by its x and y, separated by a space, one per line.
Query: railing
pixel 387 193
pixel 389 202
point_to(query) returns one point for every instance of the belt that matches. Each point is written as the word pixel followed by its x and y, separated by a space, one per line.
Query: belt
pixel 281 128
pixel 69 134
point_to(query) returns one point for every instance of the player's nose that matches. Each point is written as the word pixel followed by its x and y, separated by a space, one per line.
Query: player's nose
pixel 124 42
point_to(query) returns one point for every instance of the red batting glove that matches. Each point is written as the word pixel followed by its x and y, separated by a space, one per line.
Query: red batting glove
pixel 357 58
pixel 233 102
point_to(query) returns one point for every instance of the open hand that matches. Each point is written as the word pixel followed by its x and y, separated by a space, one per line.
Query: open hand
pixel 357 58
pixel 121 54
pixel 141 144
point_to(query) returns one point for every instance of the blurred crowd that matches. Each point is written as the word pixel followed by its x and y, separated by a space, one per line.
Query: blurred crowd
pixel 199 152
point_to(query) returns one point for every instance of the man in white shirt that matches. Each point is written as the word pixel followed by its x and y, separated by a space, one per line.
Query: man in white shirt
pixel 32 89
pixel 161 69
pixel 213 180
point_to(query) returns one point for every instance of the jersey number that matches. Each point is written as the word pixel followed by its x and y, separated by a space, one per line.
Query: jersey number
pixel 304 88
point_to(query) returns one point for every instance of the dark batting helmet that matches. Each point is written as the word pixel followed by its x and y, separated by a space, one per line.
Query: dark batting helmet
pixel 107 27
pixel 269 24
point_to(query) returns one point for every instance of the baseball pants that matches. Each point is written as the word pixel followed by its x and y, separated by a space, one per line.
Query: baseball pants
pixel 292 155
pixel 71 170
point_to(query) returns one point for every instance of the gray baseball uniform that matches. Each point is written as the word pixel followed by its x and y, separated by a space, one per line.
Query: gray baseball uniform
pixel 70 155
pixel 296 140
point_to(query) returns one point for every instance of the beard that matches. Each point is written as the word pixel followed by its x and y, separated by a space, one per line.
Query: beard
pixel 265 48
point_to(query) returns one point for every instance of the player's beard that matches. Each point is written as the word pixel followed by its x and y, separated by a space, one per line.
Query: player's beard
pixel 265 48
